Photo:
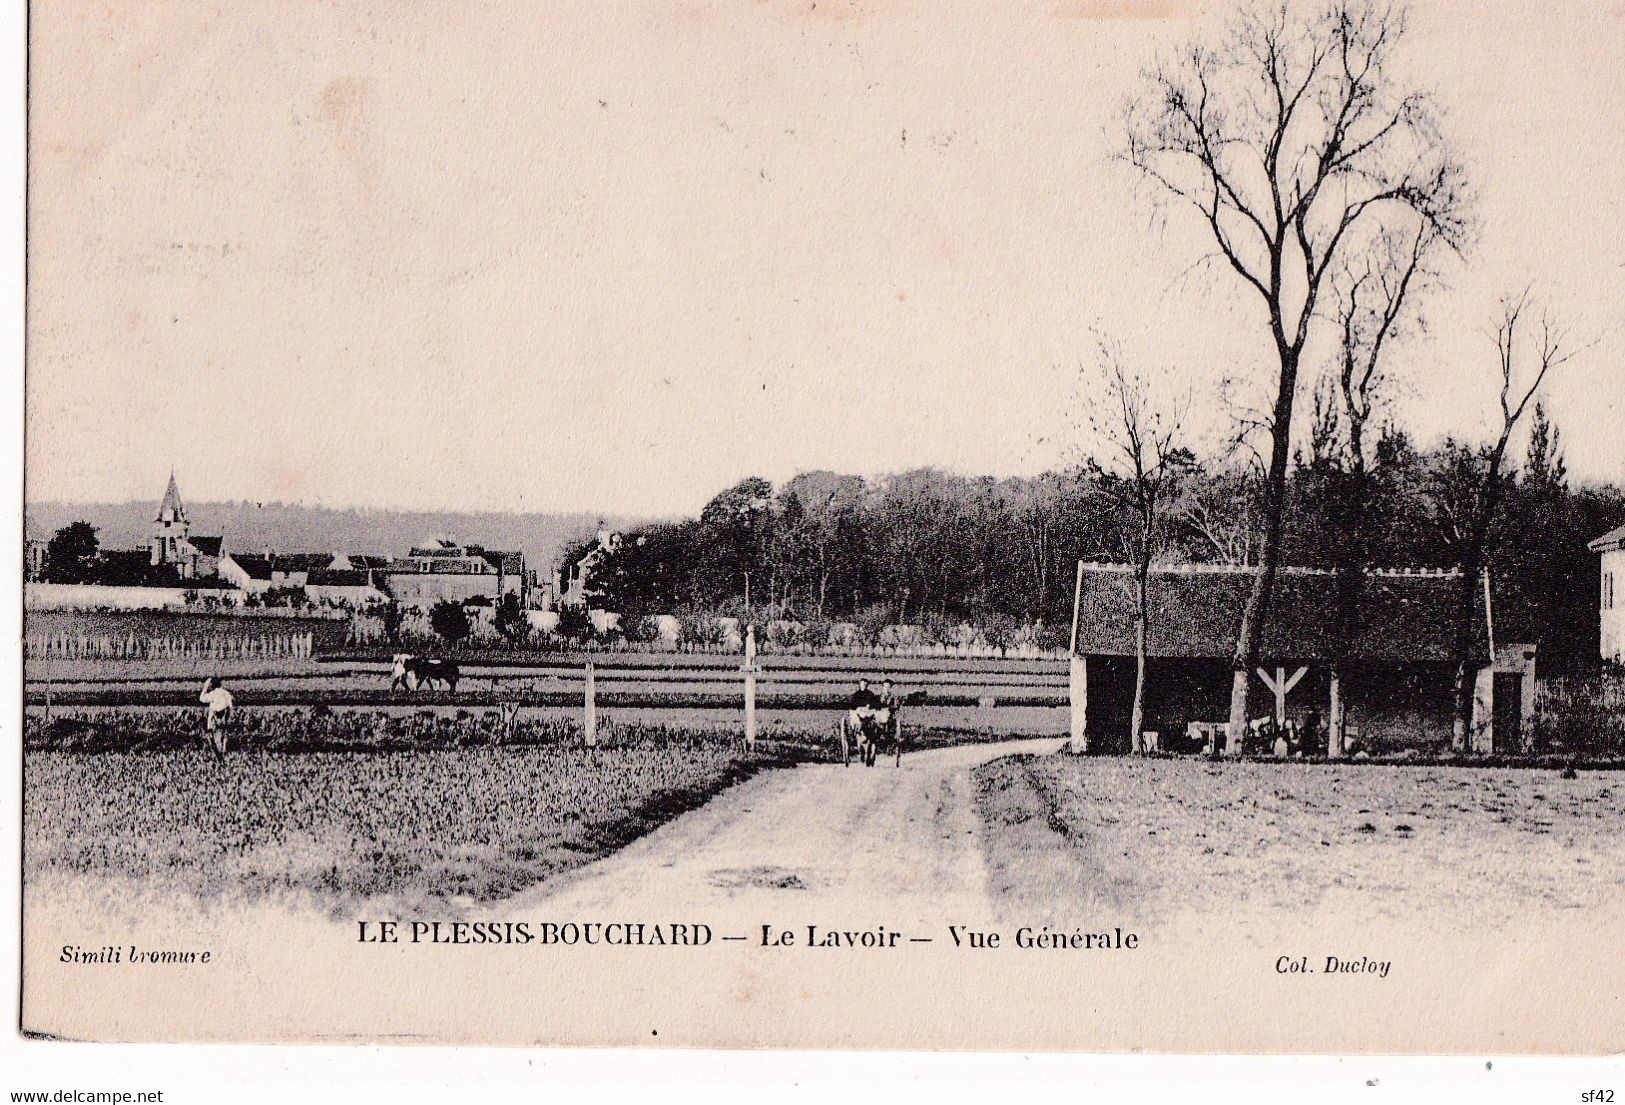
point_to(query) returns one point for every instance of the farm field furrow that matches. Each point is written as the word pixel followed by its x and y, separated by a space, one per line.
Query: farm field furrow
pixel 636 686
pixel 611 699
pixel 438 825
pixel 1151 839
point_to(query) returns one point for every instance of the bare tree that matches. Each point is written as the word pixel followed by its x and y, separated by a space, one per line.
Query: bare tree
pixel 1140 466
pixel 1291 141
pixel 1469 509
pixel 1035 511
pixel 1221 513
pixel 1369 300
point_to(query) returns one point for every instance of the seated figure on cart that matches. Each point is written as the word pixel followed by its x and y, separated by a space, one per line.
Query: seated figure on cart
pixel 862 706
pixel 873 724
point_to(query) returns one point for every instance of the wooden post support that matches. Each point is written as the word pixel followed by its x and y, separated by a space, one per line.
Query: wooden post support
pixel 750 687
pixel 1282 686
pixel 1078 677
pixel 1078 695
pixel 591 726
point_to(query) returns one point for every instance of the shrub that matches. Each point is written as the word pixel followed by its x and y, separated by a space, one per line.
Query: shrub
pixel 640 629
pixel 871 620
pixel 391 615
pixel 815 629
pixel 286 596
pixel 575 624
pixel 1001 630
pixel 510 621
pixel 702 629
pixel 783 634
pixel 938 629
pixel 450 621
pixel 1051 637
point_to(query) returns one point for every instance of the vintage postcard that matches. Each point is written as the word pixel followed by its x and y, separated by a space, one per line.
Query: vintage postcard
pixel 1083 525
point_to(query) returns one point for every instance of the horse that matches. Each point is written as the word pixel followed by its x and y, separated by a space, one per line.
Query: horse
pixel 411 672
pixel 861 736
pixel 878 734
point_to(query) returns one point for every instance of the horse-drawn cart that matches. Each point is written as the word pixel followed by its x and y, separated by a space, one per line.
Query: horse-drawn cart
pixel 870 738
pixel 872 735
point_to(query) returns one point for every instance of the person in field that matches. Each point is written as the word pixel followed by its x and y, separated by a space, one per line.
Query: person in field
pixel 218 704
pixel 886 706
pixel 863 704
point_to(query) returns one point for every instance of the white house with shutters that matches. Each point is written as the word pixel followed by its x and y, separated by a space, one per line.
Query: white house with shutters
pixel 1611 547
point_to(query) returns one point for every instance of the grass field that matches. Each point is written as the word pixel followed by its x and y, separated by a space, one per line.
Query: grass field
pixel 1153 838
pixel 435 808
pixel 802 735
pixel 428 827
pixel 630 679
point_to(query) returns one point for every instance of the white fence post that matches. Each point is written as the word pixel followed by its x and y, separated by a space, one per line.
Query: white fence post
pixel 1078 677
pixel 1078 696
pixel 750 687
pixel 591 727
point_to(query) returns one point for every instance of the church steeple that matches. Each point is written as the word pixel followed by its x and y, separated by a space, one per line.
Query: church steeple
pixel 170 528
pixel 171 510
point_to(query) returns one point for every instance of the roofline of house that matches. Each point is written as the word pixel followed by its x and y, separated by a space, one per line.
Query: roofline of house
pixel 1608 542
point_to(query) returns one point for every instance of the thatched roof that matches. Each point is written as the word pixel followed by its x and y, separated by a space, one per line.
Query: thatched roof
pixel 1196 609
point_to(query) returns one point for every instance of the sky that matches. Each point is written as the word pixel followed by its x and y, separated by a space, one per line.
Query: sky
pixel 617 257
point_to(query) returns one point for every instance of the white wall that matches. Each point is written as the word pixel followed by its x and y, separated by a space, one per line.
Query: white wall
pixel 91 596
pixel 1613 614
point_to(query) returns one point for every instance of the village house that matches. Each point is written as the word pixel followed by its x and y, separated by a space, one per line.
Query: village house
pixel 357 562
pixel 445 570
pixel 352 588
pixel 249 572
pixel 1610 548
pixel 1397 686
pixel 34 558
pixel 272 571
pixel 293 569
pixel 571 582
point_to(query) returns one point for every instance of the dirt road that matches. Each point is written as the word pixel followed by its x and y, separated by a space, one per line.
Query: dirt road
pixel 902 844
pixel 774 867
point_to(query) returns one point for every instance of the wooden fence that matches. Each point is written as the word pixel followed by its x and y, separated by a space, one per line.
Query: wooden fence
pixel 244 646
pixel 1582 712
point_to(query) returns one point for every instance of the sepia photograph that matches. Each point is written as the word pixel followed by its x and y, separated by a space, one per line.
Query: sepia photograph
pixel 1082 526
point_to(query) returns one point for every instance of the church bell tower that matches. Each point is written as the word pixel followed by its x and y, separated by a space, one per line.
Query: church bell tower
pixel 170 528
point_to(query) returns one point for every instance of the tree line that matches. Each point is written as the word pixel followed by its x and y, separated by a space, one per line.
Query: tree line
pixel 930 546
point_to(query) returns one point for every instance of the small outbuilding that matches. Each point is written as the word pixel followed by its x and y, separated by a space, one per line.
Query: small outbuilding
pixel 1397 686
pixel 1610 547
